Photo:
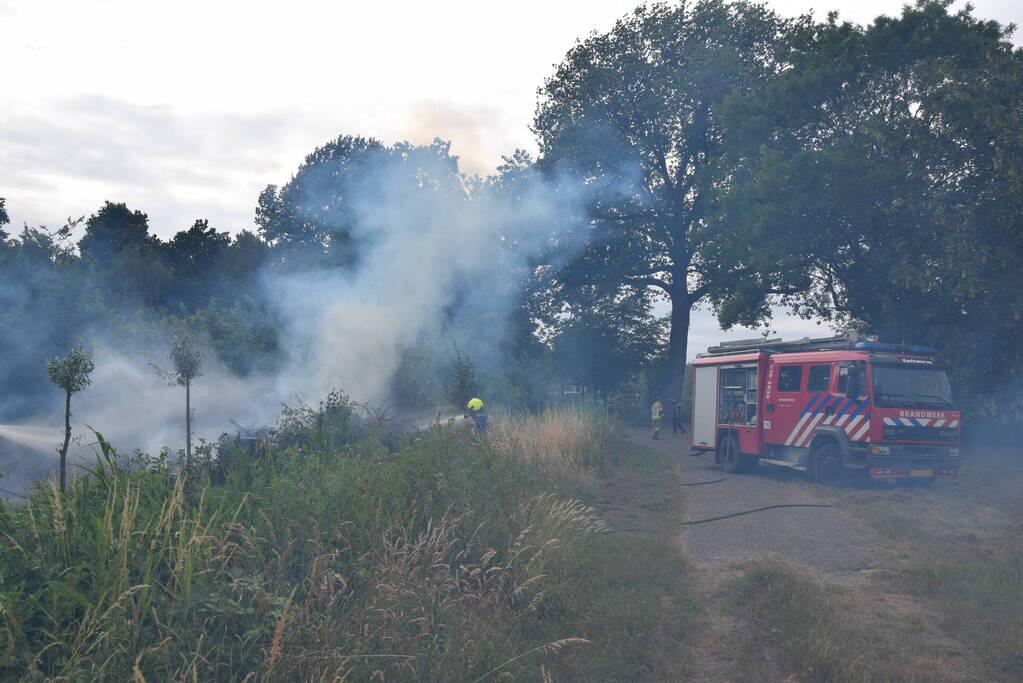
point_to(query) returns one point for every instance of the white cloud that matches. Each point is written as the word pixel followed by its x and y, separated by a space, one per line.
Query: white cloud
pixel 174 165
pixel 704 330
pixel 188 109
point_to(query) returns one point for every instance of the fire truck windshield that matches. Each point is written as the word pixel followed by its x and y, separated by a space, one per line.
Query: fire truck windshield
pixel 911 386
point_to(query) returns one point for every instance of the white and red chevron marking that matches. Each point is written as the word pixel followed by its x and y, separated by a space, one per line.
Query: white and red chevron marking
pixel 862 431
pixel 798 427
pixel 804 438
pixel 849 428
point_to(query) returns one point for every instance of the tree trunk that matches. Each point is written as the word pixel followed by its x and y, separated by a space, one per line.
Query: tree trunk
pixel 67 440
pixel 188 429
pixel 678 339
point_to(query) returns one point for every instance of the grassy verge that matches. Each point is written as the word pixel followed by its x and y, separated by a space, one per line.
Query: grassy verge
pixel 629 591
pixel 559 441
pixel 447 558
pixel 958 549
pixel 808 627
pixel 451 558
pixel 981 600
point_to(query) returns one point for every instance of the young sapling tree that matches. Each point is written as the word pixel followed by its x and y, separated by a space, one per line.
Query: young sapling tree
pixel 187 361
pixel 72 375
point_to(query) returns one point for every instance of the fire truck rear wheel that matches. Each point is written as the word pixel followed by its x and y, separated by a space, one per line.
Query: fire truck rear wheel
pixel 732 461
pixel 827 464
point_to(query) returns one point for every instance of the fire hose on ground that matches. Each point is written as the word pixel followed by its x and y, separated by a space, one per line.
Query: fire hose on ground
pixel 744 512
pixel 731 514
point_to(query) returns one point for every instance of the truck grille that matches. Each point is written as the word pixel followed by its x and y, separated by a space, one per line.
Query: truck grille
pixel 902 433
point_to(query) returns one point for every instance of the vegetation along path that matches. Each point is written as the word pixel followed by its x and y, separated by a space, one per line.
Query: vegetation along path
pixel 800 593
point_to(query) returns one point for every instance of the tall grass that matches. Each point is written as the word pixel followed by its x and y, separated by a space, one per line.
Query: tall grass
pixel 562 441
pixel 437 562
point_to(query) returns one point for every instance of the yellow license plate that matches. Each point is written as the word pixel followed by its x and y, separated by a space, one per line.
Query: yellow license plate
pixel 921 473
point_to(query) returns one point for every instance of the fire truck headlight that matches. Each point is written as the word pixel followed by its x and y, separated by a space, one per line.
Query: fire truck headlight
pixel 954 452
pixel 880 450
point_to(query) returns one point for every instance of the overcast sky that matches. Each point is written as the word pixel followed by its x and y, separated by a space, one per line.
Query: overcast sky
pixel 188 109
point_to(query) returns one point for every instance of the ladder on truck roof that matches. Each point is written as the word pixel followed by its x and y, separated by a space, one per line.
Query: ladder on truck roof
pixel 777 345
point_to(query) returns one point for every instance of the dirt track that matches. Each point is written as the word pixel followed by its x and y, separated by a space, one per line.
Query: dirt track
pixel 829 543
pixel 825 539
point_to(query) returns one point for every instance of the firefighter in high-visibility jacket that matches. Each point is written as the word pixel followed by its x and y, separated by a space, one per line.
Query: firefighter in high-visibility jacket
pixel 475 412
pixel 657 417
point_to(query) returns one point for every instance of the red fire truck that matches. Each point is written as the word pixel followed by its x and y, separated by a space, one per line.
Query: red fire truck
pixel 826 406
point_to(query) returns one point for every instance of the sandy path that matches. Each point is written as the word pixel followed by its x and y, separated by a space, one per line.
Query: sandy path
pixel 826 539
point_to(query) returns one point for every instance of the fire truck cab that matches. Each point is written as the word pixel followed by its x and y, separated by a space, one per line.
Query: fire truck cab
pixel 828 407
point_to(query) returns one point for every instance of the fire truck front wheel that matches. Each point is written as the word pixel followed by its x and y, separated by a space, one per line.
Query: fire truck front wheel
pixel 826 464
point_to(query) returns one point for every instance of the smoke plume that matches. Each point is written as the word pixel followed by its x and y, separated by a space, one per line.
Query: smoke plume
pixel 437 260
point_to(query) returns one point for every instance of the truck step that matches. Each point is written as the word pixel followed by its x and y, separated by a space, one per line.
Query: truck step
pixel 784 463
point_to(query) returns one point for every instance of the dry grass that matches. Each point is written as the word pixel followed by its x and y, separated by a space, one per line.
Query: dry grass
pixel 810 628
pixel 440 606
pixel 957 549
pixel 562 441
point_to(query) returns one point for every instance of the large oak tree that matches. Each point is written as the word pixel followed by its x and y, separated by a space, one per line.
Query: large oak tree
pixel 635 113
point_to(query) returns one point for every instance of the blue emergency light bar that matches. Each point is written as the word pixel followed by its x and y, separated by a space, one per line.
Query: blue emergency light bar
pixel 895 348
pixel 840 342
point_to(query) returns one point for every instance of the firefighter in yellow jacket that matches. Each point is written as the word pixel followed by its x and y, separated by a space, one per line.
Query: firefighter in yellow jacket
pixel 657 417
pixel 476 414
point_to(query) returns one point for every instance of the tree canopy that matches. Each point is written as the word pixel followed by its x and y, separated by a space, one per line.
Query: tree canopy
pixel 878 182
pixel 315 218
pixel 698 153
pixel 636 112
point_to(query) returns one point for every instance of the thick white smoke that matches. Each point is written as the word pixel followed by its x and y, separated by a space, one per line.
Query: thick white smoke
pixel 424 252
pixel 429 254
